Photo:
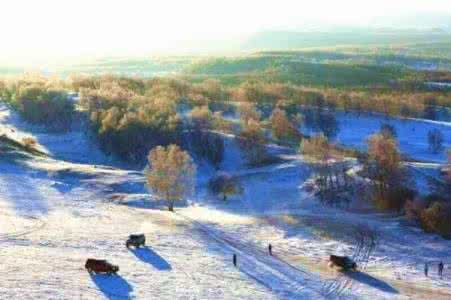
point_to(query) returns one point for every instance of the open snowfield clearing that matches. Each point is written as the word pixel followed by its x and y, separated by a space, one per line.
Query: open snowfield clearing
pixel 54 214
pixel 411 133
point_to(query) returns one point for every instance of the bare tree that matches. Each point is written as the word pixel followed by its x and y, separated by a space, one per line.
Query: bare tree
pixel 171 173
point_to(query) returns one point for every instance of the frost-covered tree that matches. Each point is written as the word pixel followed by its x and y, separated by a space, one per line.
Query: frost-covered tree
pixel 201 118
pixel 282 128
pixel 248 111
pixel 252 142
pixel 171 173
pixel 384 168
pixel 205 143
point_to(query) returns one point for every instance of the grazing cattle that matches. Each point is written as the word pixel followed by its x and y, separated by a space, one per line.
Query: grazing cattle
pixel 136 240
pixel 100 266
pixel 343 262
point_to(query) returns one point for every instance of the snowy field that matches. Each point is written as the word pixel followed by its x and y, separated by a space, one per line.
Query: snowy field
pixel 412 134
pixel 56 212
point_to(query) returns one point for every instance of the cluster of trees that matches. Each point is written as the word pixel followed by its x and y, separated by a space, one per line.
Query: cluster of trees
pixel 284 129
pixel 252 141
pixel 433 212
pixel 390 184
pixel 324 158
pixel 39 100
pixel 392 187
pixel 202 138
pixel 129 116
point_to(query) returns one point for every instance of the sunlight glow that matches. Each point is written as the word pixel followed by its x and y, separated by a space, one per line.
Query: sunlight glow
pixel 74 28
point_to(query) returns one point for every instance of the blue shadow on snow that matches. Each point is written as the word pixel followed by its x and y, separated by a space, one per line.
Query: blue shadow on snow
pixel 112 286
pixel 372 281
pixel 149 256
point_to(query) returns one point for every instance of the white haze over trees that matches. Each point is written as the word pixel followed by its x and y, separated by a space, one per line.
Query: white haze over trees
pixel 63 29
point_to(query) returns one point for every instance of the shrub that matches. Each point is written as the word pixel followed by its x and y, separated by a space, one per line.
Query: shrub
pixel 201 118
pixel 225 185
pixel 388 131
pixel 437 218
pixel 395 199
pixel 318 147
pixel 29 142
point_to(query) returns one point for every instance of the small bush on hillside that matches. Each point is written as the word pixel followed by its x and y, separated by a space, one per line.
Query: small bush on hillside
pixel 395 199
pixel 225 185
pixel 318 147
pixel 437 218
pixel 201 118
pixel 432 212
pixel 388 130
pixel 29 142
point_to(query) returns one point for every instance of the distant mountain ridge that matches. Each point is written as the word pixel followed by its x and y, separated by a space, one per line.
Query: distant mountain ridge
pixel 279 40
pixel 440 21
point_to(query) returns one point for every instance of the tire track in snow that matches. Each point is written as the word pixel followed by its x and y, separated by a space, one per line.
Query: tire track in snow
pixel 284 279
pixel 366 242
pixel 39 225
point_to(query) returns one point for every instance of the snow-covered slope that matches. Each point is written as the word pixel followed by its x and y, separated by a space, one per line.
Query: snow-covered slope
pixel 412 134
pixel 54 214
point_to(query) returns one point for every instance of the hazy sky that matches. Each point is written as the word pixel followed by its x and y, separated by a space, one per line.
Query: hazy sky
pixel 78 27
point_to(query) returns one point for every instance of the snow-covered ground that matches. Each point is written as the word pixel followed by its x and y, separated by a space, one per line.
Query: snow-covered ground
pixel 354 130
pixel 56 212
pixel 412 134
pixel 73 145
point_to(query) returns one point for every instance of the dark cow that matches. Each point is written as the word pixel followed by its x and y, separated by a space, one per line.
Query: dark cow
pixel 100 266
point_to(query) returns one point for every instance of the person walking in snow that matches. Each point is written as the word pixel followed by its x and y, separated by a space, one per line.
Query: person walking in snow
pixel 426 269
pixel 440 269
pixel 270 249
pixel 234 260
